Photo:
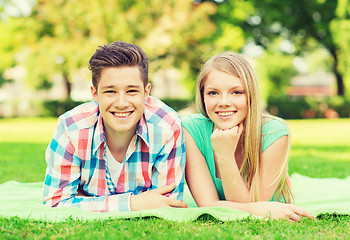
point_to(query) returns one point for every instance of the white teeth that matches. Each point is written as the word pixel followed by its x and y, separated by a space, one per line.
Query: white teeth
pixel 121 114
pixel 225 113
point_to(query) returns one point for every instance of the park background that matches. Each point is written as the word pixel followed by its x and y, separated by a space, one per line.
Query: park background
pixel 299 49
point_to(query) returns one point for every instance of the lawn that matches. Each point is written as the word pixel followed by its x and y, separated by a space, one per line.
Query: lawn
pixel 320 148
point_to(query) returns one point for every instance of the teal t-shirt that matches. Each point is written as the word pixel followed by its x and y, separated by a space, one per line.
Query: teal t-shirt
pixel 201 128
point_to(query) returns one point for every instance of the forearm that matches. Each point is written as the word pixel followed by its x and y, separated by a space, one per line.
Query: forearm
pixel 244 207
pixel 171 168
pixel 165 175
pixel 119 202
pixel 235 188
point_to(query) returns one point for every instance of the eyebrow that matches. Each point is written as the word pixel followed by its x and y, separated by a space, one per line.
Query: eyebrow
pixel 215 88
pixel 128 86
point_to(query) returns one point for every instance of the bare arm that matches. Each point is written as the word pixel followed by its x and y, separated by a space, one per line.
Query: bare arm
pixel 272 162
pixel 204 192
pixel 168 176
pixel 224 144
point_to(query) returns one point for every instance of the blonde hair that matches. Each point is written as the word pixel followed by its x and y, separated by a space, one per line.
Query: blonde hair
pixel 235 64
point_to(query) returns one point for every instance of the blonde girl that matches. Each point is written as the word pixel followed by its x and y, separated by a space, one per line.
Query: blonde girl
pixel 236 155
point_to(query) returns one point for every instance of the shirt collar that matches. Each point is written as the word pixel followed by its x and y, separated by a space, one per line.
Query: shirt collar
pixel 142 130
pixel 100 137
pixel 99 134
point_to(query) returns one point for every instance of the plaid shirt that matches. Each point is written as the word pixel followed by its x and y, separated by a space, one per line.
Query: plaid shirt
pixel 76 159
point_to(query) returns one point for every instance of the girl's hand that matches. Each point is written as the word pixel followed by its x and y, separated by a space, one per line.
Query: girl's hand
pixel 277 210
pixel 224 142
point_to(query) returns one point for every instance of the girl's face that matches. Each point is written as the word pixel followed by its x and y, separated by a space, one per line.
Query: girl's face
pixel 225 99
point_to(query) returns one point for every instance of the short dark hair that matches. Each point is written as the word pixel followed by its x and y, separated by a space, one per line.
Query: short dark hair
pixel 118 54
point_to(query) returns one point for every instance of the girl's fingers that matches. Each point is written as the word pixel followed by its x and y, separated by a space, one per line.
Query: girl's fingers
pixel 302 212
pixel 295 217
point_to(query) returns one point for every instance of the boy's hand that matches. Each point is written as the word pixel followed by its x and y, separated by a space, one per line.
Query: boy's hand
pixel 155 199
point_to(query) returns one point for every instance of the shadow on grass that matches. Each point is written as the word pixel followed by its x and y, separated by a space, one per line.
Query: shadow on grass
pixel 333 217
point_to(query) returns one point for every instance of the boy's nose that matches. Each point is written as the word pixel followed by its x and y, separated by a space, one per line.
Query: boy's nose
pixel 121 101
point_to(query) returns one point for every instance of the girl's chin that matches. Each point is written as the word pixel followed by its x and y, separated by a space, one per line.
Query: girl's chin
pixel 224 127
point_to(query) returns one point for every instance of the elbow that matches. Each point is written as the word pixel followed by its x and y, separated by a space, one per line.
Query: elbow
pixel 238 200
pixel 207 203
pixel 52 201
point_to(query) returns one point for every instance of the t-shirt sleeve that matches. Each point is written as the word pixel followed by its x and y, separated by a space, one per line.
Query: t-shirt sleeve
pixel 197 126
pixel 273 130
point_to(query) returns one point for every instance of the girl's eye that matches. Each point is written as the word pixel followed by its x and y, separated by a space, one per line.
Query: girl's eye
pixel 212 93
pixel 238 92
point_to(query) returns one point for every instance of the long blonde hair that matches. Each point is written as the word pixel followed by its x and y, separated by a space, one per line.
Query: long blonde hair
pixel 235 64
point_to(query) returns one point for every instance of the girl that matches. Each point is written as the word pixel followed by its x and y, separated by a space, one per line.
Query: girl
pixel 236 155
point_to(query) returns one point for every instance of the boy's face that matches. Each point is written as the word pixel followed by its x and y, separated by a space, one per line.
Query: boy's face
pixel 121 96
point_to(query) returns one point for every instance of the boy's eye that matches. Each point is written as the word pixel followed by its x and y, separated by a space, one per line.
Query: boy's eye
pixel 132 91
pixel 109 91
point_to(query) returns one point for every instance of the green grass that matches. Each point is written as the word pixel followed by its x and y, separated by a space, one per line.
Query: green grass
pixel 320 148
pixel 22 148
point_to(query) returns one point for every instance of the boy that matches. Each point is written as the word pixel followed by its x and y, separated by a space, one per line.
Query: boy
pixel 124 151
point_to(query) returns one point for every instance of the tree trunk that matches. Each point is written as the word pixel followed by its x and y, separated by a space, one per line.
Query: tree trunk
pixel 339 77
pixel 67 84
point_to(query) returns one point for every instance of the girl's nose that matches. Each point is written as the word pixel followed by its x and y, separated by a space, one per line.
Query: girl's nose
pixel 224 101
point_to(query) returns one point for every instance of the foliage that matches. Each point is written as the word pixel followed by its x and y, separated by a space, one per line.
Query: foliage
pixel 177 104
pixel 341 29
pixel 287 108
pixel 55 108
pixel 64 40
pixel 230 19
pixel 299 21
pixel 275 70
pixel 309 107
pixel 59 37
pixel 9 44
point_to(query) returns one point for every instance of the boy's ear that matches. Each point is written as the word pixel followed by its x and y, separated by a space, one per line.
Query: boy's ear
pixel 94 93
pixel 147 90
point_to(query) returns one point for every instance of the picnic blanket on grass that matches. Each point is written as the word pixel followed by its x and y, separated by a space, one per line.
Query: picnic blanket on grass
pixel 316 195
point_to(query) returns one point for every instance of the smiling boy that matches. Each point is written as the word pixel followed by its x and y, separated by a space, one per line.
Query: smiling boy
pixel 125 150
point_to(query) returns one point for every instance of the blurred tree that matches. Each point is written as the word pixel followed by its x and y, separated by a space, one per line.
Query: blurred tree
pixel 230 19
pixel 340 28
pixel 299 21
pixel 11 44
pixel 275 69
pixel 64 34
